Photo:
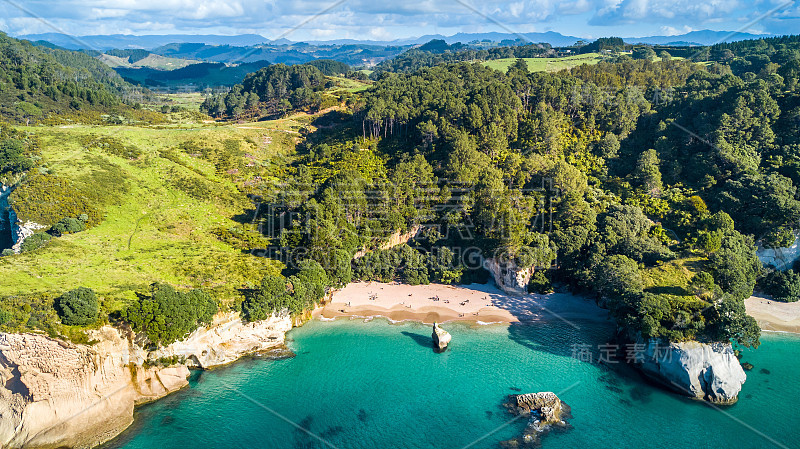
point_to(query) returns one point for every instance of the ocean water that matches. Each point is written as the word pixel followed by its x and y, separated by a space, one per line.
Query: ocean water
pixel 380 385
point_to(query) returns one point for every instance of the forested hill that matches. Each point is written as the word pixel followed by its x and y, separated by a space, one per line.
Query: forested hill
pixel 37 81
pixel 663 175
pixel 438 52
pixel 273 90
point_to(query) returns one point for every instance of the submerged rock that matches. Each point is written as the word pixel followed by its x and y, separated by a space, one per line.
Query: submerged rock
pixel 545 411
pixel 441 338
pixel 705 371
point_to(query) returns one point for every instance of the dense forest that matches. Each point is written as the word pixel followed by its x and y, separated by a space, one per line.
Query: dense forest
pixel 37 82
pixel 272 90
pixel 600 175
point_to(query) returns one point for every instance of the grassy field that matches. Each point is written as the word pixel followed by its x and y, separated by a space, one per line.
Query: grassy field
pixel 190 100
pixel 349 85
pixel 162 210
pixel 546 64
pixel 672 278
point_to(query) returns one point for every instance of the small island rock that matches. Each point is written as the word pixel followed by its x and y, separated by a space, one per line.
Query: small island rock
pixel 441 338
pixel 545 412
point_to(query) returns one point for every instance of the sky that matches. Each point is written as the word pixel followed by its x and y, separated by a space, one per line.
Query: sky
pixel 300 20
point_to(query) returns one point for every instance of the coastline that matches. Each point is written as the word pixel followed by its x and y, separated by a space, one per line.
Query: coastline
pixel 774 316
pixel 478 303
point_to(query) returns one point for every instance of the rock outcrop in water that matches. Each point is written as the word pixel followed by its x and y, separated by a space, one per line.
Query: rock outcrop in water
pixel 545 411
pixel 508 276
pixel 441 338
pixel 55 394
pixel 705 371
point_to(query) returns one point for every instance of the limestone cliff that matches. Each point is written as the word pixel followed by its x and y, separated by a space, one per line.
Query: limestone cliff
pixel 705 371
pixel 780 258
pixel 226 340
pixel 508 276
pixel 55 394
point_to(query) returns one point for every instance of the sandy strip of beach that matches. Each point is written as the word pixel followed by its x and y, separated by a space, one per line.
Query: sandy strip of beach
pixel 442 303
pixel 774 315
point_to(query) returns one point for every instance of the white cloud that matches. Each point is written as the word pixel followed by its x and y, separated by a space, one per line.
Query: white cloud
pixel 672 31
pixel 630 11
pixel 388 19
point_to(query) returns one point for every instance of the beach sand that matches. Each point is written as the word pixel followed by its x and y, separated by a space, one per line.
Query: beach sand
pixel 774 315
pixel 480 303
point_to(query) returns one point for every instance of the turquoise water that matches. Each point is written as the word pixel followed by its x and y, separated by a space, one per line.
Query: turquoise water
pixel 380 385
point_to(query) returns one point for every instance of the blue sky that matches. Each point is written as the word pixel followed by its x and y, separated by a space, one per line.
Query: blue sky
pixel 387 20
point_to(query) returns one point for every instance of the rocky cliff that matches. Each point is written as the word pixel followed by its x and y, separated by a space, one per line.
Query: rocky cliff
pixel 705 371
pixel 508 276
pixel 55 394
pixel 226 340
pixel 780 258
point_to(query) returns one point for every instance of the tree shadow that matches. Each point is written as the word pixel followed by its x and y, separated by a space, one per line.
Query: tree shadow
pixel 331 119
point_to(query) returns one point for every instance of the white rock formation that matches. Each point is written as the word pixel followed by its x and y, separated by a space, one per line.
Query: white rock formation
pixel 441 338
pixel 56 394
pixel 226 340
pixel 706 371
pixel 21 230
pixel 780 258
pixel 508 276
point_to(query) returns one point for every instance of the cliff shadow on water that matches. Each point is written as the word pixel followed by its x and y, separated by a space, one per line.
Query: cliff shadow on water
pixel 6 241
pixel 586 342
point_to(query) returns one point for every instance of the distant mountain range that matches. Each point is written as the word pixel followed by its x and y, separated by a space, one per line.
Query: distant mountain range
pixel 149 42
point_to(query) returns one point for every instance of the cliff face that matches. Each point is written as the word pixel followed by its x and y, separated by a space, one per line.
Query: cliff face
pixel 706 371
pixel 10 223
pixel 54 394
pixel 226 340
pixel 780 258
pixel 509 277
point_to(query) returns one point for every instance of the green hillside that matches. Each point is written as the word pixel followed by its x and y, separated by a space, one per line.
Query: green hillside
pixel 546 64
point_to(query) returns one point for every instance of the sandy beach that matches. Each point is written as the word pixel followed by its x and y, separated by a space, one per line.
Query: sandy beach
pixel 480 303
pixel 774 315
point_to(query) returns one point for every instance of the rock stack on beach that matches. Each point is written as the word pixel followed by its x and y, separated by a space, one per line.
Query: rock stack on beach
pixel 441 338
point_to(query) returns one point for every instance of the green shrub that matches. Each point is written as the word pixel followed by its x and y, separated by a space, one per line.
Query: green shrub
pixel 46 199
pixel 5 316
pixel 111 145
pixel 68 226
pixel 78 307
pixel 35 242
pixel 7 252
pixel 539 283
pixel 782 285
pixel 300 292
pixel 167 315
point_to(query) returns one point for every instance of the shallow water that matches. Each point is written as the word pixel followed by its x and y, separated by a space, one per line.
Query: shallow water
pixel 380 385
